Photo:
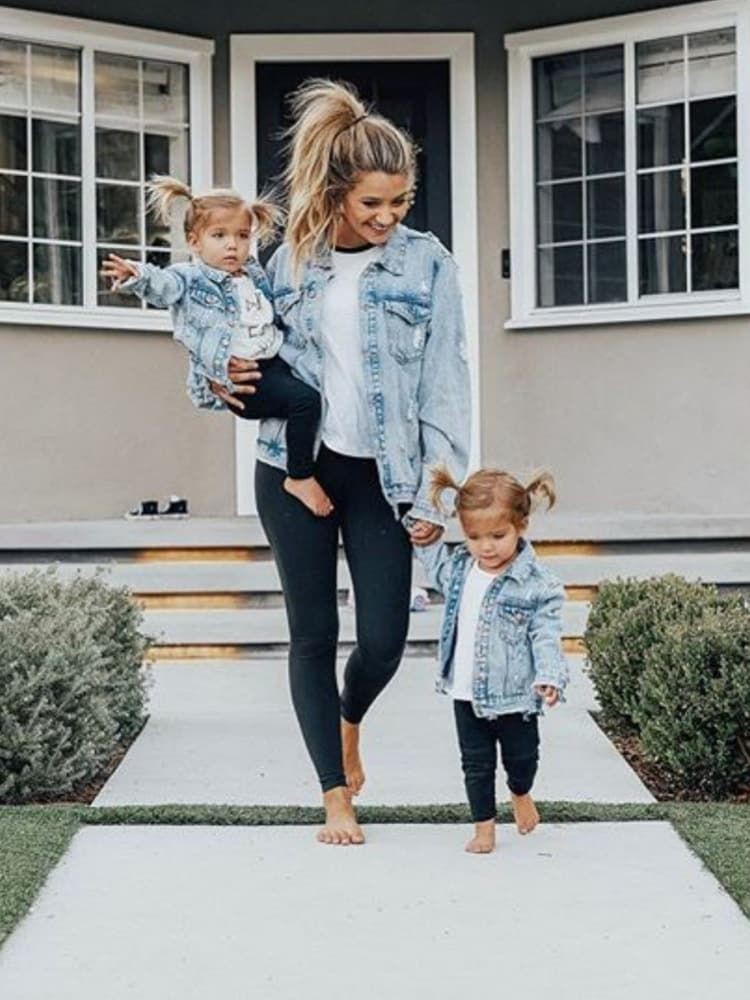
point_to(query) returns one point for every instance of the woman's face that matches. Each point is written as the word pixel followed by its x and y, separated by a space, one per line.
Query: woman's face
pixel 373 208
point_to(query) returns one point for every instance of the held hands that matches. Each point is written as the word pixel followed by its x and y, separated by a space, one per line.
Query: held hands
pixel 549 694
pixel 242 372
pixel 424 533
pixel 118 269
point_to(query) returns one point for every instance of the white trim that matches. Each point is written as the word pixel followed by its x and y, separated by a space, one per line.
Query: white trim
pixel 458 49
pixel 627 30
pixel 101 36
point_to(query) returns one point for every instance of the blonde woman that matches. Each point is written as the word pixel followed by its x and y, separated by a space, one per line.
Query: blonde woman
pixel 372 318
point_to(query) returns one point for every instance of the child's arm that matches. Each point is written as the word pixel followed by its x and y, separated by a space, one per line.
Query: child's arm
pixel 437 561
pixel 545 633
pixel 158 286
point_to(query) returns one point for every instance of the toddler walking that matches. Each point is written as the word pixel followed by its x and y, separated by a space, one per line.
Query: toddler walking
pixel 500 651
pixel 221 306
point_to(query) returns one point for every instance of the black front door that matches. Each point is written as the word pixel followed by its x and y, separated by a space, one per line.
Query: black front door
pixel 414 94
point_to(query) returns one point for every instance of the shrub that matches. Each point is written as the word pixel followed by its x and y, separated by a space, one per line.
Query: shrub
pixel 72 683
pixel 694 712
pixel 628 619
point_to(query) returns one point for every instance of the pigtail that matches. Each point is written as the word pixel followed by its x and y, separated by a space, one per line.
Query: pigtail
pixel 266 218
pixel 162 192
pixel 542 486
pixel 440 481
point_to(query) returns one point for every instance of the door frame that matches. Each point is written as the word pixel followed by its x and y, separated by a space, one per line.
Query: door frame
pixel 457 48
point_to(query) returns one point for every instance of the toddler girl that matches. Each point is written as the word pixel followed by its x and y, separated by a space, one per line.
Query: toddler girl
pixel 221 307
pixel 500 652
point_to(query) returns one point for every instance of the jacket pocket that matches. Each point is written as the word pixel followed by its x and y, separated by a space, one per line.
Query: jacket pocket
pixel 406 324
pixel 512 621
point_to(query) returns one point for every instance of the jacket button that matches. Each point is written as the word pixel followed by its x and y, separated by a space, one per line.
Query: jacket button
pixel 312 293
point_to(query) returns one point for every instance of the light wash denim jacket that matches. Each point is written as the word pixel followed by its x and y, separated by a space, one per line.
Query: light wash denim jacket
pixel 414 354
pixel 517 643
pixel 205 310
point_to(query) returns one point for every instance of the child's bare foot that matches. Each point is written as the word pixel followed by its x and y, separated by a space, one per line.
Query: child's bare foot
pixel 341 826
pixel 311 494
pixel 483 841
pixel 355 775
pixel 524 812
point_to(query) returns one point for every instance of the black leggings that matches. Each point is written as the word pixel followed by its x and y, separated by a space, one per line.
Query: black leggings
pixel 305 547
pixel 518 736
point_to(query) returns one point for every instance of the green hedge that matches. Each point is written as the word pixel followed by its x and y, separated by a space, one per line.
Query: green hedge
pixel 72 681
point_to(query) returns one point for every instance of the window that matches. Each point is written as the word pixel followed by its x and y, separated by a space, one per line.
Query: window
pixel 634 169
pixel 87 115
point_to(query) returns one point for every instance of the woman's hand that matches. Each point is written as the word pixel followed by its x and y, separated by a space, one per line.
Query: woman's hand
pixel 243 372
pixel 425 533
pixel 549 694
pixel 118 269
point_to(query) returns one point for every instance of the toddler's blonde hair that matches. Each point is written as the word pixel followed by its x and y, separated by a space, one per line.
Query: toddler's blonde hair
pixel 164 192
pixel 487 488
pixel 335 137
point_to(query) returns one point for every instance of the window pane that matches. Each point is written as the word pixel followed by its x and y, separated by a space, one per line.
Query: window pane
pixel 560 213
pixel 54 78
pixel 12 142
pixel 13 207
pixel 560 276
pixel 57 209
pixel 558 85
pixel 117 214
pixel 712 66
pixel 607 272
pixel 57 275
pixel 660 68
pixel 661 135
pixel 661 265
pixel 713 130
pixel 661 204
pixel 165 92
pixel 558 149
pixel 167 154
pixel 605 143
pixel 715 261
pixel 606 208
pixel 713 199
pixel 104 294
pixel 14 262
pixel 117 154
pixel 603 76
pixel 116 86
pixel 12 74
pixel 56 146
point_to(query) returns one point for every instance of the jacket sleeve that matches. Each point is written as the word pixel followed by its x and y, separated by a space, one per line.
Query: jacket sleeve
pixel 437 560
pixel 159 286
pixel 198 388
pixel 545 632
pixel 443 396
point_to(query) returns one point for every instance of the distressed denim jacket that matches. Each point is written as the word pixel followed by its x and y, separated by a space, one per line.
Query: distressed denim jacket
pixel 517 644
pixel 205 310
pixel 414 357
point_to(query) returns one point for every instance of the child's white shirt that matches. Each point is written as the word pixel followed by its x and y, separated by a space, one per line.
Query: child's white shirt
pixel 475 587
pixel 255 337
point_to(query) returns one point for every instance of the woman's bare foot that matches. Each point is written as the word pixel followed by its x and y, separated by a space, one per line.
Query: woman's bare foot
pixel 483 841
pixel 311 494
pixel 355 775
pixel 524 812
pixel 341 826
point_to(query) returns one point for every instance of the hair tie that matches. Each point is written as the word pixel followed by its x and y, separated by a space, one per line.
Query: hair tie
pixel 351 124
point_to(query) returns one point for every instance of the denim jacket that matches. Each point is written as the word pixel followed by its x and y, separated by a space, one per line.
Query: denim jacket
pixel 517 644
pixel 204 310
pixel 414 355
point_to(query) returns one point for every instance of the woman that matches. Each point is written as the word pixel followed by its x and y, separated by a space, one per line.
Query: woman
pixel 372 318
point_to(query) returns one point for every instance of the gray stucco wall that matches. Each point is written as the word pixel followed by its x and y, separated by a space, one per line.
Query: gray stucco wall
pixel 639 419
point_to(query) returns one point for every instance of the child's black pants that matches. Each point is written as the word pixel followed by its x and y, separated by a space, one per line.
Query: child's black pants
pixel 518 736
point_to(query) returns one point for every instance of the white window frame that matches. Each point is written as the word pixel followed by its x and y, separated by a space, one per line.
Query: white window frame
pixel 627 30
pixel 100 36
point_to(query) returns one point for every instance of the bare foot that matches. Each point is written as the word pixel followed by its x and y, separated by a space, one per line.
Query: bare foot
pixel 483 841
pixel 311 494
pixel 355 775
pixel 524 812
pixel 341 826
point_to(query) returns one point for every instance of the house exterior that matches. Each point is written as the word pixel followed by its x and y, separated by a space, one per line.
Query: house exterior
pixel 586 162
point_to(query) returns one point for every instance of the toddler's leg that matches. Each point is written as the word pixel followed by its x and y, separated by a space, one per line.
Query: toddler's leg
pixel 476 740
pixel 519 747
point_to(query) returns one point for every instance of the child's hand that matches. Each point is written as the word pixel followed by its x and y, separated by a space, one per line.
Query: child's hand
pixel 549 694
pixel 118 269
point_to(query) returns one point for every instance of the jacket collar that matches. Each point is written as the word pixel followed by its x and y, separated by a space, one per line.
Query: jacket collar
pixel 392 259
pixel 218 276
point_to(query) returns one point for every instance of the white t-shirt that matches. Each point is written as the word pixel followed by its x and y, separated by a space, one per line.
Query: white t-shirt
pixel 475 587
pixel 346 421
pixel 255 337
